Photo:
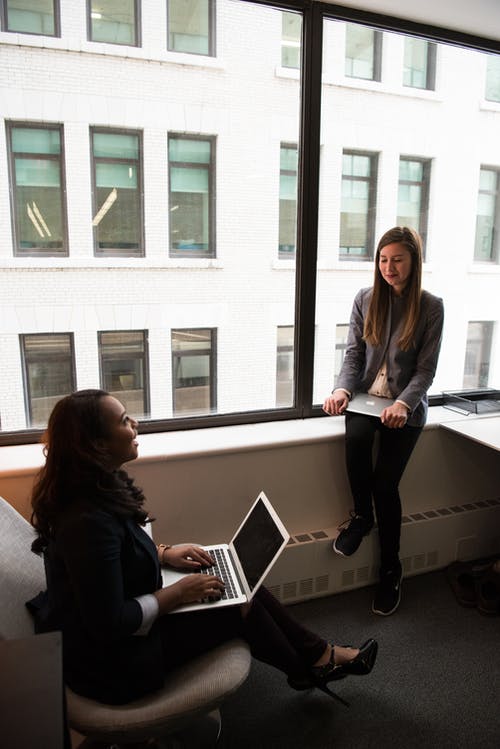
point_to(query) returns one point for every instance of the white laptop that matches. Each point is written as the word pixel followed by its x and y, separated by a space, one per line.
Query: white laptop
pixel 245 561
pixel 370 405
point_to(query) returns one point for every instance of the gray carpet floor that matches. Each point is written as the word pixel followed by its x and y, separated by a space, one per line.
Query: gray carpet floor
pixel 436 683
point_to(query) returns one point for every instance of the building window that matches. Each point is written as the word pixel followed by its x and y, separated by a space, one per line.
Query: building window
pixel 124 369
pixel 291 32
pixel 191 26
pixel 32 17
pixel 194 371
pixel 413 194
pixel 357 217
pixel 285 366
pixel 37 190
pixel 419 65
pixel 117 193
pixel 49 373
pixel 114 21
pixel 341 333
pixel 192 209
pixel 488 217
pixel 289 157
pixel 492 92
pixel 477 354
pixel 363 52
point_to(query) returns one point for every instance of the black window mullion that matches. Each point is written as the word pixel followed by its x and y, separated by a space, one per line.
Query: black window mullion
pixel 307 203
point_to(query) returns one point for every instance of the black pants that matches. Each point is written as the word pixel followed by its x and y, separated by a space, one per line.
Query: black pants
pixel 273 635
pixel 378 480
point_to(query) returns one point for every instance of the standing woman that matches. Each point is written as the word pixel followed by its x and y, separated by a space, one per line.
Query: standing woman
pixel 104 586
pixel 392 351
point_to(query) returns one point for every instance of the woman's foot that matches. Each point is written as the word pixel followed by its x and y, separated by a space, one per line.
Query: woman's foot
pixel 336 663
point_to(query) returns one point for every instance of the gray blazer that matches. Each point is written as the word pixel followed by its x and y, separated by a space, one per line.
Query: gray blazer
pixel 409 373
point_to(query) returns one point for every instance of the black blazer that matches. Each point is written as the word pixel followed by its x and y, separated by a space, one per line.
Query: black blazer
pixel 96 566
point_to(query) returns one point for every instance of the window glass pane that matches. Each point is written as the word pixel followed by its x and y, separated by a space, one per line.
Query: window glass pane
pixel 478 354
pixel 415 62
pixel 284 365
pixel 113 21
pixel 291 31
pixel 486 247
pixel 189 24
pixel 37 191
pixel 492 92
pixel 123 367
pixel 360 52
pixel 341 331
pixel 48 372
pixel 117 220
pixel 365 170
pixel 191 204
pixel 31 16
pixel 193 371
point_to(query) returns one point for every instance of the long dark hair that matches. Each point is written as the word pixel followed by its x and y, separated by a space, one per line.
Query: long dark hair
pixel 379 304
pixel 77 467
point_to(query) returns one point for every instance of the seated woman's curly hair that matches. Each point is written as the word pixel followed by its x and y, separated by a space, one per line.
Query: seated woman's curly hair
pixel 77 467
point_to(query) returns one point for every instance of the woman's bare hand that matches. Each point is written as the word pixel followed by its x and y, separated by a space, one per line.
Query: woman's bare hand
pixel 187 556
pixel 336 403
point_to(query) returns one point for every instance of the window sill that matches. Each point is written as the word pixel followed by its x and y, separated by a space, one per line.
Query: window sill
pixel 19 460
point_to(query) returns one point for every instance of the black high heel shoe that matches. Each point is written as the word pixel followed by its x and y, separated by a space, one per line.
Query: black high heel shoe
pixel 320 676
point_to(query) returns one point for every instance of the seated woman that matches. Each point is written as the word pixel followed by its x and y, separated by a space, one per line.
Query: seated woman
pixel 104 587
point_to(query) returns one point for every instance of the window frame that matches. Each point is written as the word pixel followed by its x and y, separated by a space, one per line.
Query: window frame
pixel 212 32
pixel 371 214
pixel 425 184
pixel 430 77
pixel 139 164
pixel 25 361
pixel 18 251
pixel 4 15
pixel 212 196
pixel 144 358
pixel 494 258
pixel 137 27
pixel 212 354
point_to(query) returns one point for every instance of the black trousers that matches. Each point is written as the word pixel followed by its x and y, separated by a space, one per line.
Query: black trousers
pixel 273 635
pixel 376 482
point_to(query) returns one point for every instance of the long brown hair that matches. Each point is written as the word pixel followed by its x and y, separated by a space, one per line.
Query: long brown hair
pixel 378 309
pixel 77 467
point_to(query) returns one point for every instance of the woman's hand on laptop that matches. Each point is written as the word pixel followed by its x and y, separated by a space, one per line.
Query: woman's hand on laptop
pixel 189 589
pixel 187 556
pixel 336 403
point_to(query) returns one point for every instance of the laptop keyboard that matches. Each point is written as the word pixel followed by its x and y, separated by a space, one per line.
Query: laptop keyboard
pixel 221 569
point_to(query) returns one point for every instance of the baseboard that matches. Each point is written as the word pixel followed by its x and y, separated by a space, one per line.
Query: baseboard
pixel 430 540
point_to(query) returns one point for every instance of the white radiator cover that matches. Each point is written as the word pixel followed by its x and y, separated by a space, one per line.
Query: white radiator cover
pixel 430 540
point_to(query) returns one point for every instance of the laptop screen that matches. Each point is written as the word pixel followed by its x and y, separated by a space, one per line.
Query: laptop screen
pixel 257 542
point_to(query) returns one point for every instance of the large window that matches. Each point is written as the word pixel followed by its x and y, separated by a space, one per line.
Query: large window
pixel 288 200
pixel 284 366
pixel 291 31
pixel 124 369
pixel 114 21
pixel 363 52
pixel 194 357
pixel 191 26
pixel 32 16
pixel 117 206
pixel 478 354
pixel 192 210
pixel 413 194
pixel 419 69
pixel 37 190
pixel 488 217
pixel 188 212
pixel 357 217
pixel 49 373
